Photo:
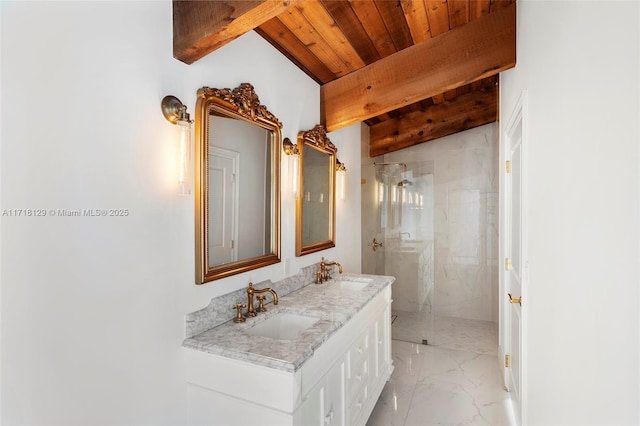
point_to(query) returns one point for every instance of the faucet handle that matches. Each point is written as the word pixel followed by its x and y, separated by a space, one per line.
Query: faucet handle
pixel 261 307
pixel 239 317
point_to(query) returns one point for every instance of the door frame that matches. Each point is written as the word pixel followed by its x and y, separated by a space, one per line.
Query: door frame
pixel 518 116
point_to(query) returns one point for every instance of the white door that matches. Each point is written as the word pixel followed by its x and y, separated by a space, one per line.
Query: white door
pixel 515 265
pixel 223 206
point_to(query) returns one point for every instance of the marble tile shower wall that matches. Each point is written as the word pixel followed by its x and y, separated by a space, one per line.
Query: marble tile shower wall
pixel 465 170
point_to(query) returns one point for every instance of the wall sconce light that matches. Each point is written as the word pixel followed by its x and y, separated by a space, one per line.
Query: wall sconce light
pixel 341 177
pixel 292 151
pixel 176 113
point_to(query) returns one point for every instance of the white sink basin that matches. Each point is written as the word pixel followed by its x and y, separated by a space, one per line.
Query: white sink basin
pixel 414 241
pixel 405 249
pixel 349 285
pixel 283 326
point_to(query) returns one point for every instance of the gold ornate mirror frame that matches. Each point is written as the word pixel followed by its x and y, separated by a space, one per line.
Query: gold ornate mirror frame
pixel 241 103
pixel 309 220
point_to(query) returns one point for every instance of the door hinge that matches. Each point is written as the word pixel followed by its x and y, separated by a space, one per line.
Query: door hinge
pixel 507 361
pixel 232 243
pixel 507 166
pixel 507 263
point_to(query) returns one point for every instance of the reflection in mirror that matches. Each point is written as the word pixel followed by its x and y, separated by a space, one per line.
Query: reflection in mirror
pixel 237 183
pixel 315 205
pixel 232 162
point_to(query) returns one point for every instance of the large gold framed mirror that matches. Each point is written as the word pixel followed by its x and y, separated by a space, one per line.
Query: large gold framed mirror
pixel 315 204
pixel 237 183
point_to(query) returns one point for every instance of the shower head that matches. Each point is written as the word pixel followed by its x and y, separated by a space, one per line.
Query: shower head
pixel 405 176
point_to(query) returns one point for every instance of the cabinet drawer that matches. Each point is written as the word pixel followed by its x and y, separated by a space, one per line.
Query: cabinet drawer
pixel 355 409
pixel 358 352
pixel 358 377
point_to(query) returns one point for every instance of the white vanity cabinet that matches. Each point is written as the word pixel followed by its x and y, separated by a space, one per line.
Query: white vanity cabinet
pixel 338 384
pixel 368 368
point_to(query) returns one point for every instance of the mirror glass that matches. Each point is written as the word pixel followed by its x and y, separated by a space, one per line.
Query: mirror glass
pixel 237 183
pixel 315 206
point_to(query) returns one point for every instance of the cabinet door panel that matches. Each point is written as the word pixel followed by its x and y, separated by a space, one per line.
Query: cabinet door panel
pixel 324 405
pixel 381 344
pixel 334 413
pixel 312 407
pixel 381 341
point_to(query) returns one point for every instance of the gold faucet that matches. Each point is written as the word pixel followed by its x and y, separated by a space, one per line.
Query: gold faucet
pixel 251 312
pixel 324 274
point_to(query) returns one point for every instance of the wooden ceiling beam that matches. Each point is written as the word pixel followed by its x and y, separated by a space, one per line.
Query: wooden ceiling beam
pixel 479 49
pixel 279 35
pixel 464 112
pixel 200 27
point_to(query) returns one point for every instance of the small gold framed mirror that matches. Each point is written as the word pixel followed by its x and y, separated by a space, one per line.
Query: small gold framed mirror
pixel 237 183
pixel 315 203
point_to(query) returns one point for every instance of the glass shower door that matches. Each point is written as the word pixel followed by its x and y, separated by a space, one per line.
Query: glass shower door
pixel 402 199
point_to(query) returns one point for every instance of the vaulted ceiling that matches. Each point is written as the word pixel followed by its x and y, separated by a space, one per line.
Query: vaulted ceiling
pixel 413 70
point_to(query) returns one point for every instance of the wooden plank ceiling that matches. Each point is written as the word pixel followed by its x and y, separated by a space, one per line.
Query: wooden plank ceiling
pixel 413 70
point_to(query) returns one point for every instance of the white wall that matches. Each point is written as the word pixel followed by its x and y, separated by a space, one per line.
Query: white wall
pixel 93 307
pixel 348 232
pixel 579 63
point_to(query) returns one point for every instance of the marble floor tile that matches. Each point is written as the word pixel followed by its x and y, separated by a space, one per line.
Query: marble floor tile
pixel 432 385
pixel 447 332
pixel 448 403
pixel 466 335
pixel 393 405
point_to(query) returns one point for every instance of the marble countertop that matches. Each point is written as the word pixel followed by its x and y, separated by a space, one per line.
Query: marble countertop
pixel 329 303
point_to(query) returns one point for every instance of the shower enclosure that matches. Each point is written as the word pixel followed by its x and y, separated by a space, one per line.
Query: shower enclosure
pixel 402 245
pixel 430 211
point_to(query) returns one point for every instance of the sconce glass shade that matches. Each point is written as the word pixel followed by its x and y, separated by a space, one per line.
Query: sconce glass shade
pixel 184 168
pixel 341 178
pixel 294 166
pixel 176 113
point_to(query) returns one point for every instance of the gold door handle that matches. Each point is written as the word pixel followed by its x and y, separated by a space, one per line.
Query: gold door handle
pixel 507 264
pixel 517 300
pixel 375 244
